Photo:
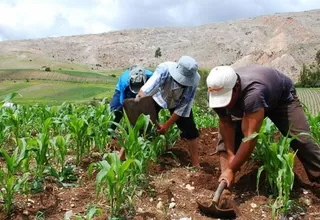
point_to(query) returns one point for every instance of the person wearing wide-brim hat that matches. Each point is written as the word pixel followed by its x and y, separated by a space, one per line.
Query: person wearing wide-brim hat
pixel 173 86
pixel 251 93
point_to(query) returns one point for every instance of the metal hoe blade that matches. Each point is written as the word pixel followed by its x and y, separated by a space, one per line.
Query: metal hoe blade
pixel 145 106
pixel 213 210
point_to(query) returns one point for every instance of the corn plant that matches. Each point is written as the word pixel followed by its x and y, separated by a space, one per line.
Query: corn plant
pixel 113 181
pixel 314 123
pixel 207 119
pixel 172 135
pixel 102 119
pixel 63 173
pixel 278 164
pixel 9 182
pixel 3 132
pixel 267 134
pixel 14 121
pixel 79 131
pixel 91 211
pixel 40 147
pixel 136 142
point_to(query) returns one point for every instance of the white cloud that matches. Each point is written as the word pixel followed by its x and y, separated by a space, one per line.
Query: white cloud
pixel 20 19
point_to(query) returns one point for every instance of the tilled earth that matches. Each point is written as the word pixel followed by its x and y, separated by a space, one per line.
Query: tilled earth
pixel 174 188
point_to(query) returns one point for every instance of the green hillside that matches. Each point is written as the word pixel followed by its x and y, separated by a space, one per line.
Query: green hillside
pixel 57 86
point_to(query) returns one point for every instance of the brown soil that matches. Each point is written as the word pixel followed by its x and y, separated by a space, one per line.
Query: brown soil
pixel 172 180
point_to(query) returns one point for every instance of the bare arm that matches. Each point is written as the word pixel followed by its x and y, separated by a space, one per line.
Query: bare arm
pixel 251 123
pixel 227 132
pixel 173 118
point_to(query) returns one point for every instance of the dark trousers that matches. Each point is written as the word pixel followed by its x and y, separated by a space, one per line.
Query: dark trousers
pixel 186 125
pixel 116 106
pixel 290 117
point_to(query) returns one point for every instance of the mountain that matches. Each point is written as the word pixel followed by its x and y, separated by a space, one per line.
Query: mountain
pixel 284 41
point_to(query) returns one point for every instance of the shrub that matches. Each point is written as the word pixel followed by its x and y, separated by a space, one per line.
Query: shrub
pixel 310 75
pixel 158 53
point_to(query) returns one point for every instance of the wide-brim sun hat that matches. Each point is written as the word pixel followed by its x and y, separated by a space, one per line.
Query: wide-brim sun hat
pixel 185 72
pixel 220 83
pixel 137 78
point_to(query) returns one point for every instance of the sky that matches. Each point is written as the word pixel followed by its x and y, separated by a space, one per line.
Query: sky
pixel 29 19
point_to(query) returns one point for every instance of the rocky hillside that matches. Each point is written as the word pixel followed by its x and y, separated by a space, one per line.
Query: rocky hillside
pixel 283 41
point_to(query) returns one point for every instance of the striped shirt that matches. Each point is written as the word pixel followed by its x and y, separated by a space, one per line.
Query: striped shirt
pixel 167 93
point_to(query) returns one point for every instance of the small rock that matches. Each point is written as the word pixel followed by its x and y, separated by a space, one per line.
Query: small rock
pixel 68 215
pixel 290 218
pixel 172 205
pixel 96 155
pixel 264 215
pixel 159 199
pixel 302 213
pixel 305 192
pixel 186 218
pixel 31 201
pixel 188 187
pixel 25 212
pixel 73 205
pixel 140 210
pixel 151 200
pixel 160 205
pixel 306 201
pixel 172 199
pixel 253 205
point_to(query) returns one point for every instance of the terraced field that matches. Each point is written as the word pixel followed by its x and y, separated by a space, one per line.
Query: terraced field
pixel 36 86
pixel 311 98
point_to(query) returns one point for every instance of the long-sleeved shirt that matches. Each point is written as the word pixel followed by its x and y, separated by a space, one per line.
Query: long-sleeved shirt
pixel 124 81
pixel 167 93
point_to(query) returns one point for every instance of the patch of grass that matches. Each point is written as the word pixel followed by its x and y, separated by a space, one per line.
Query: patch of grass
pixel 82 74
pixel 52 92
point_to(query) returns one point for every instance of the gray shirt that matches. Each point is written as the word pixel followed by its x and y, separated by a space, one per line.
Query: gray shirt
pixel 261 87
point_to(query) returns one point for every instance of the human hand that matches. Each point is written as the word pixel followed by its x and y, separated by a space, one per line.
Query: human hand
pixel 162 128
pixel 228 176
pixel 137 98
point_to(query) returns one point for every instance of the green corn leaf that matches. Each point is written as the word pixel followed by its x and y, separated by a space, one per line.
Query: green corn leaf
pixel 251 137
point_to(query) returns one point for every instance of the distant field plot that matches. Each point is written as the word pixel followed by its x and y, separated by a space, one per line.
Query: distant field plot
pixel 311 98
pixel 52 92
pixel 56 86
pixel 56 75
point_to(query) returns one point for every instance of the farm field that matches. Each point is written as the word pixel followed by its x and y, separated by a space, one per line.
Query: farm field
pixel 59 161
pixel 66 164
pixel 56 87
pixel 59 85
pixel 311 98
pixel 53 92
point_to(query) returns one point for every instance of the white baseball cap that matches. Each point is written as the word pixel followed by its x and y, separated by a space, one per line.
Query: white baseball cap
pixel 220 82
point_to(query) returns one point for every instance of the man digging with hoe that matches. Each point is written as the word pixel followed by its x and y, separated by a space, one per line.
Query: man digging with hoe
pixel 250 94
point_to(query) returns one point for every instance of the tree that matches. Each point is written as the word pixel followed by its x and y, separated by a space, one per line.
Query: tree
pixel 309 76
pixel 318 57
pixel 158 53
